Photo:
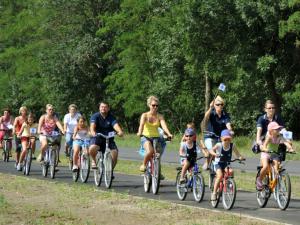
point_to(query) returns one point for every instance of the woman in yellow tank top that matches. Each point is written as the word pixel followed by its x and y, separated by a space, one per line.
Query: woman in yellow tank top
pixel 148 129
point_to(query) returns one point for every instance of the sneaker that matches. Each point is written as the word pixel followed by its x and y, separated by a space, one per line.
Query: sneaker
pixel 75 168
pixel 142 168
pixel 19 167
pixel 16 164
pixel 258 184
pixel 213 196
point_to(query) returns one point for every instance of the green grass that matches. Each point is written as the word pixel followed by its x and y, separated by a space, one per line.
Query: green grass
pixel 243 144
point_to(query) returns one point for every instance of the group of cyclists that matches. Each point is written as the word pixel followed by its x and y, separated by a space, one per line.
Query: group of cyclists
pixel 215 143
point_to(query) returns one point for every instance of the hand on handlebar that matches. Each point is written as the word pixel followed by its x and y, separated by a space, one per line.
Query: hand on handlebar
pixel 120 134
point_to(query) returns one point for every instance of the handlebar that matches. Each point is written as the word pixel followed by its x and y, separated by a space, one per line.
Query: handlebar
pixel 271 151
pixel 239 161
pixel 110 135
pixel 198 158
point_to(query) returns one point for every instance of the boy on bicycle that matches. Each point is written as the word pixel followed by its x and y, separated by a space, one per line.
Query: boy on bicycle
pixel 188 151
pixel 223 153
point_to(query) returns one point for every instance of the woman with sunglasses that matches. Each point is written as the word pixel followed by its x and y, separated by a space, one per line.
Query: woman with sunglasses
pixel 148 129
pixel 215 120
pixel 264 120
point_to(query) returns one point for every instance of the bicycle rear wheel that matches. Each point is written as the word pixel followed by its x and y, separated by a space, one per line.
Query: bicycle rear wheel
pixel 156 175
pixel 98 173
pixel 181 188
pixel 28 159
pixel 6 150
pixel 215 203
pixel 198 187
pixel 283 190
pixel 84 167
pixel 229 193
pixel 108 170
pixel 53 161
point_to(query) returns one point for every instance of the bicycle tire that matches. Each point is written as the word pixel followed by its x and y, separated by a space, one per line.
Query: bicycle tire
pixel 198 187
pixel 156 175
pixel 7 150
pixel 85 165
pixel 262 196
pixel 215 203
pixel 70 158
pixel 147 178
pixel 283 190
pixel 181 189
pixel 108 170
pixel 4 153
pixel 98 173
pixel 28 159
pixel 45 169
pixel 229 194
pixel 53 159
pixel 57 148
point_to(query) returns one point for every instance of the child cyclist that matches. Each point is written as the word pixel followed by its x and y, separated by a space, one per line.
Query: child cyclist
pixel 223 153
pixel 188 149
pixel 80 134
pixel 28 130
pixel 274 141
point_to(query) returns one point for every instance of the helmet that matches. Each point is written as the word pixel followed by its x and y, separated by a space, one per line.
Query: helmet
pixel 256 148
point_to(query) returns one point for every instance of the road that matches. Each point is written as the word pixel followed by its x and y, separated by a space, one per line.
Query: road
pixel 245 202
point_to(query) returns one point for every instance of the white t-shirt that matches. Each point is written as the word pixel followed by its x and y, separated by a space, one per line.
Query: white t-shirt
pixel 71 122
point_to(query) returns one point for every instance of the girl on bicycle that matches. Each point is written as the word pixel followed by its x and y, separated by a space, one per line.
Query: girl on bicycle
pixel 188 151
pixel 223 153
pixel 28 129
pixel 274 141
pixel 80 134
pixel 149 123
pixel 6 121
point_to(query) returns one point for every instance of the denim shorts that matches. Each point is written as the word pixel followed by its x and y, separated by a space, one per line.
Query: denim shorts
pixel 69 138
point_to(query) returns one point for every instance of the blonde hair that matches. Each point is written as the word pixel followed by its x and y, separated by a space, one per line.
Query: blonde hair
pixel 49 106
pixel 22 108
pixel 191 125
pixel 219 99
pixel 72 106
pixel 151 99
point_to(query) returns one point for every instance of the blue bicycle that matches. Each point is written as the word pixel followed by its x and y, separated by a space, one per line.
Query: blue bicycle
pixel 193 180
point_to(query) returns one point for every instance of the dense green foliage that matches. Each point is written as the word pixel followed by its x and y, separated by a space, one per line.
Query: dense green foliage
pixel 80 51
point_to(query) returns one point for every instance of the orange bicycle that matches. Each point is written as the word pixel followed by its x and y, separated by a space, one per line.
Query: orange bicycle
pixel 278 184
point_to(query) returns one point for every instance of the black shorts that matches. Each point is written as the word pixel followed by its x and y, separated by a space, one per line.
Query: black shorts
pixel 101 142
pixel 18 144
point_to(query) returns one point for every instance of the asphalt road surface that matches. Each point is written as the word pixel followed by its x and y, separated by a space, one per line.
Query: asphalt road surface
pixel 245 201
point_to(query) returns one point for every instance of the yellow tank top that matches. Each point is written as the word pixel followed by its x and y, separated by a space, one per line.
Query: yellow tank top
pixel 151 129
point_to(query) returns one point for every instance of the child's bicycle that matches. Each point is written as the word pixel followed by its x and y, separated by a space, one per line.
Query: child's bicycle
pixel 278 184
pixel 83 162
pixel 153 169
pixel 50 157
pixel 104 163
pixel 6 143
pixel 194 181
pixel 226 190
pixel 28 156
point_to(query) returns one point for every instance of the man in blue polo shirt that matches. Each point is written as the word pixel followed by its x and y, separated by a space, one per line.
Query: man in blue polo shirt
pixel 103 122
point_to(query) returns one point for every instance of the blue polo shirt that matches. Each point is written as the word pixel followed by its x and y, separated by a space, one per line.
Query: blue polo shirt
pixel 103 125
pixel 216 124
pixel 263 122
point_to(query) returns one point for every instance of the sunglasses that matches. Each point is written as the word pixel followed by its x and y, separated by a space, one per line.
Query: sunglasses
pixel 219 104
pixel 154 105
pixel 189 135
pixel 226 139
pixel 271 108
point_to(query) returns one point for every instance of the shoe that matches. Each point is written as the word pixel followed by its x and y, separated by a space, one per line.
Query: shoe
pixel 19 167
pixel 259 184
pixel 33 157
pixel 75 168
pixel 142 168
pixel 213 196
pixel 162 177
pixel 182 181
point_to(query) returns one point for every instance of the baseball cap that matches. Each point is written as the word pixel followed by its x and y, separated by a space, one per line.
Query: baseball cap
pixel 189 131
pixel 226 134
pixel 274 126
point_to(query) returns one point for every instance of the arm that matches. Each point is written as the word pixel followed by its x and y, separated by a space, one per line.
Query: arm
pixel 119 130
pixel 93 129
pixel 142 123
pixel 14 125
pixel 75 132
pixel 164 126
pixel 229 127
pixel 58 124
pixel 237 153
pixel 258 135
pixel 65 122
pixel 289 146
pixel 213 150
pixel 181 151
pixel 265 144
pixel 21 130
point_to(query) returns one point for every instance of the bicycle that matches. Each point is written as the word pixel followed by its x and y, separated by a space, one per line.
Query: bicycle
pixel 28 156
pixel 278 184
pixel 104 163
pixel 194 181
pixel 7 143
pixel 83 162
pixel 50 157
pixel 226 190
pixel 153 168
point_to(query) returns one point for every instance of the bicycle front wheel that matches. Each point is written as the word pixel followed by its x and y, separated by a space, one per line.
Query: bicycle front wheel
pixel 215 203
pixel 108 170
pixel 27 164
pixel 262 196
pixel 229 193
pixel 53 161
pixel 180 188
pixel 156 175
pixel 198 187
pixel 283 190
pixel 6 151
pixel 84 167
pixel 98 173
